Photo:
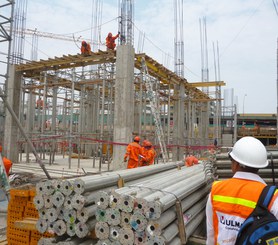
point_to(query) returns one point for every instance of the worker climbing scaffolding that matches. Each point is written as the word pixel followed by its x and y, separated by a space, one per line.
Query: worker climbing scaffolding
pixel 110 41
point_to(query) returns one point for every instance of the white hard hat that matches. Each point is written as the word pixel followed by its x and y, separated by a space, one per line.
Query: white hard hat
pixel 250 152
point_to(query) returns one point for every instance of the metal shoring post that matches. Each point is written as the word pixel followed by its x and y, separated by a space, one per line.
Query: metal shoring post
pixel 109 124
pixel 29 121
pixel 102 121
pixel 169 115
pixel 23 133
pixel 53 122
pixel 97 105
pixel 71 115
pixel 39 121
pixel 43 122
pixel 81 121
pixel 140 102
pixel 64 121
pixel 145 114
pixel 109 115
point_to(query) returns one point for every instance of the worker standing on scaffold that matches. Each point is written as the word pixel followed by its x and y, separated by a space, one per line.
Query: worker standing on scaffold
pixel 85 48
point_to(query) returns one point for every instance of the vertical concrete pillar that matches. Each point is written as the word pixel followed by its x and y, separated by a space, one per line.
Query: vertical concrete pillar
pixel 124 103
pixel 179 123
pixel 11 128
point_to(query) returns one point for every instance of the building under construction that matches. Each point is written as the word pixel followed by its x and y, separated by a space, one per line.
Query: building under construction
pixel 90 107
pixel 95 104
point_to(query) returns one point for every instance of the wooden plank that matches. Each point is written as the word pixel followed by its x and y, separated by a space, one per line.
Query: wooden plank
pixel 4 242
pixel 195 240
pixel 26 224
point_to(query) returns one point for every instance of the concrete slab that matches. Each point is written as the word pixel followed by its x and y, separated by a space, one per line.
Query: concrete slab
pixel 62 166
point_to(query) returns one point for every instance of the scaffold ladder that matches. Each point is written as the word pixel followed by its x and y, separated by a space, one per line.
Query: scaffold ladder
pixel 152 95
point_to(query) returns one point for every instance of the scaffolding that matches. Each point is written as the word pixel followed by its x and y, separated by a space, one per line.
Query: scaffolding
pixel 76 116
pixel 6 19
pixel 67 103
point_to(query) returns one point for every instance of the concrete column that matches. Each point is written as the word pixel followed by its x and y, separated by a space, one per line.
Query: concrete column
pixel 179 123
pixel 11 128
pixel 124 103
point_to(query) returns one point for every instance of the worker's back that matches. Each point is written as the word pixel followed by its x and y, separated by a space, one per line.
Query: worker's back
pixel 191 160
pixel 7 164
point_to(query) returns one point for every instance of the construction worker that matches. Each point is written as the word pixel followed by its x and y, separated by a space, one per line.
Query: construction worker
pixel 133 151
pixel 39 103
pixel 191 160
pixel 85 48
pixel 7 164
pixel 149 154
pixel 143 148
pixel 110 41
pixel 231 201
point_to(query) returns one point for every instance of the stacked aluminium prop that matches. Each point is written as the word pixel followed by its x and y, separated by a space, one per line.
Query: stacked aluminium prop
pixel 223 169
pixel 165 209
pixel 68 207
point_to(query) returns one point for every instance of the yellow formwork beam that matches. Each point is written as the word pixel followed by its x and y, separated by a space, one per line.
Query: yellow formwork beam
pixel 67 61
pixel 157 70
pixel 208 84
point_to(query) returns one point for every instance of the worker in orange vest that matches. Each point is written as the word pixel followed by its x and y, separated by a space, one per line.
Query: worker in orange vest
pixel 110 41
pixel 85 48
pixel 7 162
pixel 144 150
pixel 133 151
pixel 191 160
pixel 149 154
pixel 232 200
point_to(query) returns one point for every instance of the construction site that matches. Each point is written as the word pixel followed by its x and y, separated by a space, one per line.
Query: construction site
pixel 66 123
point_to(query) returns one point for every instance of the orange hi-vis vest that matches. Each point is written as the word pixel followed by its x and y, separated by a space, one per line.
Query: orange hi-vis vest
pixel 149 156
pixel 133 151
pixel 233 200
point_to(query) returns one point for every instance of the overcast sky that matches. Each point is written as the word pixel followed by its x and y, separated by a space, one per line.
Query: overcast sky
pixel 246 32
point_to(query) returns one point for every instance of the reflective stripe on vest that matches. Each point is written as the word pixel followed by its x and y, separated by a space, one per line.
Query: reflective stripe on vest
pixel 238 201
pixel 235 200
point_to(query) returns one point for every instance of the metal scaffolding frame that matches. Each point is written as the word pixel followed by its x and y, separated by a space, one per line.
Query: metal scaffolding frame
pixel 76 115
pixel 6 19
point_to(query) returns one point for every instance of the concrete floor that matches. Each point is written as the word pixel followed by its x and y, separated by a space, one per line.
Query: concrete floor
pixel 32 173
pixel 62 166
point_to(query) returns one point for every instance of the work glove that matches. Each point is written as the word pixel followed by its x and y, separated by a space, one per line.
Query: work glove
pixel 125 160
